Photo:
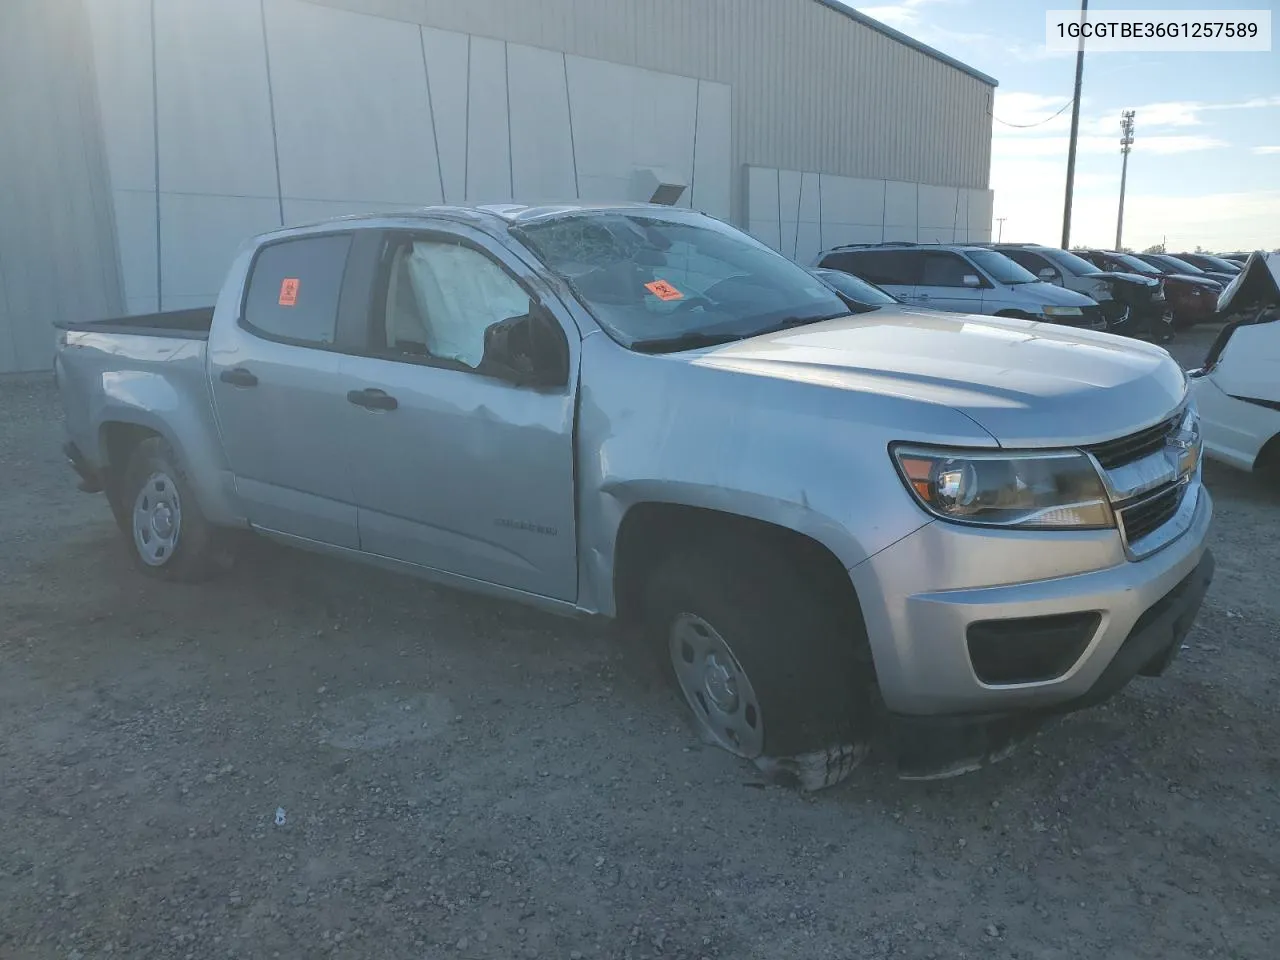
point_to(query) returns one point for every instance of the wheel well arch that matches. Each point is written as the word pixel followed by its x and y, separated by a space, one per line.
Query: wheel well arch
pixel 652 531
pixel 119 438
pixel 1268 459
pixel 1015 314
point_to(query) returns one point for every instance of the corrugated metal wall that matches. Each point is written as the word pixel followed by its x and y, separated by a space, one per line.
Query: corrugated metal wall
pixel 813 89
pixel 57 250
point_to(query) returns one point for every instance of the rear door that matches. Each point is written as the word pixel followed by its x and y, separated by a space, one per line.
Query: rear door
pixel 277 396
pixel 892 270
pixel 942 283
pixel 452 469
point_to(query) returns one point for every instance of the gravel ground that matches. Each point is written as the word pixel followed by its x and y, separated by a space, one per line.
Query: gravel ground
pixel 308 759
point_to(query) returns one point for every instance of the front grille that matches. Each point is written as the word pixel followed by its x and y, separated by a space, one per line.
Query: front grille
pixel 1151 514
pixel 1116 453
pixel 1029 649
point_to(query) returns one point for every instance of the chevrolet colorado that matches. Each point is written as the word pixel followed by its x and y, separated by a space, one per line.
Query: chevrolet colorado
pixel 835 519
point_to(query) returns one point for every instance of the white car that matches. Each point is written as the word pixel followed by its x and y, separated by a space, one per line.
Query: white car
pixel 1238 393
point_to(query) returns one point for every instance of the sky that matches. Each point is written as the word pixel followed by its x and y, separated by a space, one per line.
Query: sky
pixel 1205 166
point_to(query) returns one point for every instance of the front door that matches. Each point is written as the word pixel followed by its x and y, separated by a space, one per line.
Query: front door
pixel 453 469
pixel 278 399
pixel 942 282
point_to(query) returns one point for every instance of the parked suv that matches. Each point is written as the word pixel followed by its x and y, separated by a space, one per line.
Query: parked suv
pixel 963 278
pixel 1165 262
pixel 1133 304
pixel 1191 300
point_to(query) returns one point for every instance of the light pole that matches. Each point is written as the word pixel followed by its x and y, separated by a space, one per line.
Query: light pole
pixel 1000 234
pixel 1075 130
pixel 1126 143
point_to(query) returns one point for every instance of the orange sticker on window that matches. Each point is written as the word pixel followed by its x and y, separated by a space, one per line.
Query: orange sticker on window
pixel 288 291
pixel 663 290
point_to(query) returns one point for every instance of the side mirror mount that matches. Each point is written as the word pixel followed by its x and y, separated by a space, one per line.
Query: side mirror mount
pixel 529 350
pixel 1048 275
pixel 972 280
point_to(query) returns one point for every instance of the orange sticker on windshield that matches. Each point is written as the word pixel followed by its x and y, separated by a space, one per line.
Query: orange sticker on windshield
pixel 663 290
pixel 288 291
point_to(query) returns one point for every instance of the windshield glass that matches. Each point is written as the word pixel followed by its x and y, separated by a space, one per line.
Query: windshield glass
pixel 665 278
pixel 1077 265
pixel 1217 263
pixel 1179 265
pixel 1000 268
pixel 1134 264
pixel 855 288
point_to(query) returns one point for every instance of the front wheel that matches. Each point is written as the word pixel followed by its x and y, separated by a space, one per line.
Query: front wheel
pixel 168 536
pixel 768 661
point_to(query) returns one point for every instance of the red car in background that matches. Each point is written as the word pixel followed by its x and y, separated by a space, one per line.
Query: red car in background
pixel 1192 299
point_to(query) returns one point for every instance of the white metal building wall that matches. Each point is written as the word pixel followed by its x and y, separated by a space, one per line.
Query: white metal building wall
pixel 254 114
pixel 57 246
pixel 813 89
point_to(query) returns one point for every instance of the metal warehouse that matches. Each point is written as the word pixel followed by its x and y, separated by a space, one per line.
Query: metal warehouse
pixel 141 141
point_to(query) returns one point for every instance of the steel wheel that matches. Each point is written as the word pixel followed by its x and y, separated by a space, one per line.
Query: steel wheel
pixel 157 520
pixel 716 687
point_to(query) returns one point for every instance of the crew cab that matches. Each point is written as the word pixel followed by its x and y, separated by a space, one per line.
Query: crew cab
pixel 823 519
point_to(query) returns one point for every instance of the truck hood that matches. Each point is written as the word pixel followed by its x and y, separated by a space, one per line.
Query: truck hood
pixel 1027 384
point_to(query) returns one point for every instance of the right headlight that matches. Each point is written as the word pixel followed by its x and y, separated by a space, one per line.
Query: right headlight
pixel 1049 310
pixel 1030 491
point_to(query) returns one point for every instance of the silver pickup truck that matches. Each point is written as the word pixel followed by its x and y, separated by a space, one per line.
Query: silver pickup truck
pixel 838 522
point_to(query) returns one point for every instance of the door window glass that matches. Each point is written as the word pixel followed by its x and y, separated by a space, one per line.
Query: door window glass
pixel 882 267
pixel 294 288
pixel 1028 260
pixel 442 297
pixel 944 270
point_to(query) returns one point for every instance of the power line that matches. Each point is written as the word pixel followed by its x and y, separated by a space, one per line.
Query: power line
pixel 1025 126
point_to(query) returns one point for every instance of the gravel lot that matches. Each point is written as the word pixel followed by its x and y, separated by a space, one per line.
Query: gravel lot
pixel 461 778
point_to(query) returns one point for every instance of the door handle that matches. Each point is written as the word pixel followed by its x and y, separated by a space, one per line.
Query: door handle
pixel 372 399
pixel 238 377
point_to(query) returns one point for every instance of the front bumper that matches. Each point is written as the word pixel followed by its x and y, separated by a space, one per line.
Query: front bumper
pixel 928 747
pixel 919 637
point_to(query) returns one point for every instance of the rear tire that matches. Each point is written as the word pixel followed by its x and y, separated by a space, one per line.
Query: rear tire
pixel 168 536
pixel 771 667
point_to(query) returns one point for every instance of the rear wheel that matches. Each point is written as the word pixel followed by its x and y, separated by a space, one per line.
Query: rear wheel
pixel 168 536
pixel 771 666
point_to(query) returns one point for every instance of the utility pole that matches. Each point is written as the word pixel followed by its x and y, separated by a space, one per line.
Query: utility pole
pixel 1000 233
pixel 1075 130
pixel 1126 143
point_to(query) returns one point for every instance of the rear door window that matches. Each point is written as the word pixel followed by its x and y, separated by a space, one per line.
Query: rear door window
pixel 294 287
pixel 897 268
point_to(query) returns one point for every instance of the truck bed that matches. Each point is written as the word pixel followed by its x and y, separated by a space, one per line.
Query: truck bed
pixel 190 324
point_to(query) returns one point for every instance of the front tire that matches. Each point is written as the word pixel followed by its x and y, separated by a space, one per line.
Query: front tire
pixel 771 665
pixel 168 536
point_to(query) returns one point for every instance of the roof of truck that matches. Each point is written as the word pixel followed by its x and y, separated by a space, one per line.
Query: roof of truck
pixel 508 213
